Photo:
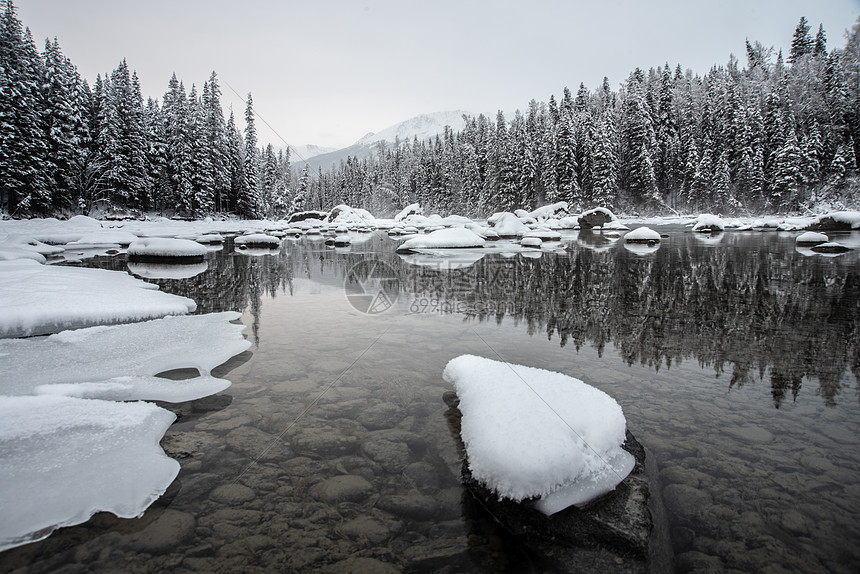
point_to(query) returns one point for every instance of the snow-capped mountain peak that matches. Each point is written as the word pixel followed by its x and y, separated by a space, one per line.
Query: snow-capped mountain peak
pixel 423 127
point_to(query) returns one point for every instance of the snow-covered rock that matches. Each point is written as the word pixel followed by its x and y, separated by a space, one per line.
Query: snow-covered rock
pixel 552 211
pixel 258 240
pixel 413 209
pixel 831 247
pixel 543 234
pixel 532 242
pixel 165 248
pixel 707 223
pixel 837 220
pixel 642 235
pixel 454 237
pixel 811 238
pixel 507 225
pixel 532 433
pixel 597 217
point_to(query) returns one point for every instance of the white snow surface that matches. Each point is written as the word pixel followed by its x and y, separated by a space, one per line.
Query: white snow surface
pixel 63 459
pixel 410 209
pixel 454 237
pixel 531 433
pixel 66 452
pixel 136 351
pixel 552 211
pixel 38 299
pixel 166 247
pixel 507 224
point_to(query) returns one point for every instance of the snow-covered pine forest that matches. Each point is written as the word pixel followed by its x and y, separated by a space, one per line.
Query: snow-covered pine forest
pixel 774 135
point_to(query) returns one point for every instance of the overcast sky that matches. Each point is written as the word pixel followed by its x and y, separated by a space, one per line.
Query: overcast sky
pixel 329 71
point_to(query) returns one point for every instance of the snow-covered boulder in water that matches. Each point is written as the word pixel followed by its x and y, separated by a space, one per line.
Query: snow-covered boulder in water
pixel 708 223
pixel 642 235
pixel 810 238
pixel 450 238
pixel 531 433
pixel 157 248
pixel 258 240
pixel 597 217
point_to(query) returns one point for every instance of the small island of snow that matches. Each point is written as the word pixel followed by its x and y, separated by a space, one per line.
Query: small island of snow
pixel 532 433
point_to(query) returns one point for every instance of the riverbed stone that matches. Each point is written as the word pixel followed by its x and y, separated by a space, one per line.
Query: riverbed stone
pixel 375 531
pixel 168 531
pixel 361 565
pixel 383 415
pixel 393 456
pixel 232 494
pixel 685 502
pixel 325 442
pixel 414 506
pixel 349 488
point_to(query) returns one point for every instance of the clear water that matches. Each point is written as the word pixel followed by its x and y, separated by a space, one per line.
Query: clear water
pixel 735 358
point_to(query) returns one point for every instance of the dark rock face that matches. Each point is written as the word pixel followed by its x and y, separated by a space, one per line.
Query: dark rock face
pixel 594 218
pixel 612 533
pixel 303 215
pixel 828 223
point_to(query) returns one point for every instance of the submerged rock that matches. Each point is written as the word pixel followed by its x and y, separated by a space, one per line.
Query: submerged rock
pixel 614 531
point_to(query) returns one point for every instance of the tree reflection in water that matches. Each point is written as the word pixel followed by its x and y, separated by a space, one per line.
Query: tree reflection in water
pixel 748 305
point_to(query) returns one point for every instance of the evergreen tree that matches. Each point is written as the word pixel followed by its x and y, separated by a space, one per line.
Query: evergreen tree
pixel 802 43
pixel 250 201
pixel 23 149
pixel 820 46
pixel 217 142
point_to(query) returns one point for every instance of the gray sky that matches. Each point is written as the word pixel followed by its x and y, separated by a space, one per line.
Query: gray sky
pixel 329 71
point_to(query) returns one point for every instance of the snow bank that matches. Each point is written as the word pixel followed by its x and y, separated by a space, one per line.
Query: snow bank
pixel 38 299
pixel 455 237
pixel 535 433
pixel 64 459
pixel 104 237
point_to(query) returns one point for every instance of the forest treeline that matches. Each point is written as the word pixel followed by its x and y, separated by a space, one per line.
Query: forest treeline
pixel 774 135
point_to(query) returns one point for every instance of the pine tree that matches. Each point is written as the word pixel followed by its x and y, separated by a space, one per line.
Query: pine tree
pixel 64 125
pixel 23 149
pixel 820 46
pixel 235 163
pixel 202 178
pixel 249 202
pixel 217 142
pixel 802 43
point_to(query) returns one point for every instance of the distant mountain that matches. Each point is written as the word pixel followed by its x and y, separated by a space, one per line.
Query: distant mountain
pixel 423 127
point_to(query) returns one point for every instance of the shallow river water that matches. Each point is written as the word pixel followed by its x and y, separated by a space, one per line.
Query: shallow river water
pixel 734 357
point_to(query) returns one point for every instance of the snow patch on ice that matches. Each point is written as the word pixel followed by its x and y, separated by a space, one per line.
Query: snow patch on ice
pixel 454 237
pixel 39 299
pixel 63 459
